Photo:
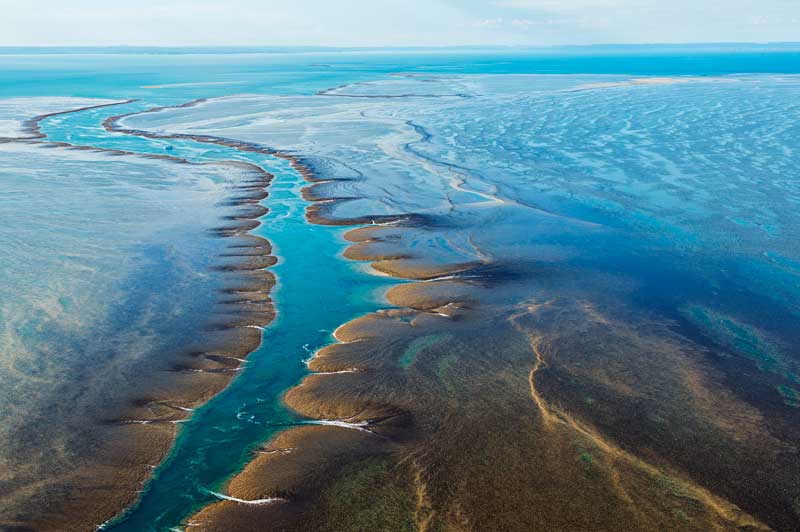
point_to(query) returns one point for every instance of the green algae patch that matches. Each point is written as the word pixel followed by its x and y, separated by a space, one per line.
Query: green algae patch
pixel 681 514
pixel 443 366
pixel 373 495
pixel 791 397
pixel 418 345
pixel 750 343
pixel 742 339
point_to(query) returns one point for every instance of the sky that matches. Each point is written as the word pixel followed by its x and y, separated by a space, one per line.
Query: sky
pixel 394 22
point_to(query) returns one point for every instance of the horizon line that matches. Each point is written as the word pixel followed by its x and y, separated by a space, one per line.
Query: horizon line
pixel 395 46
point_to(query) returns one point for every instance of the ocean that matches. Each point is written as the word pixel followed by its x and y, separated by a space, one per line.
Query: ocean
pixel 605 236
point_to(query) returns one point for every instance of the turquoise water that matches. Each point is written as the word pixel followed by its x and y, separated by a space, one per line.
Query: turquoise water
pixel 625 182
pixel 118 73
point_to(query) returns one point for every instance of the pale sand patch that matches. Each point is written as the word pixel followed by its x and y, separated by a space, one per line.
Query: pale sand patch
pixel 194 84
pixel 664 80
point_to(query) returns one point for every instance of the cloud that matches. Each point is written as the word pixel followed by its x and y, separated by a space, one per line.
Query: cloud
pixel 239 22
pixel 490 23
pixel 598 21
pixel 571 5
pixel 393 22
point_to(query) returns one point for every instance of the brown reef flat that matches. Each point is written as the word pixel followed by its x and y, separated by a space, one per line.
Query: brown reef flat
pixel 134 431
pixel 506 405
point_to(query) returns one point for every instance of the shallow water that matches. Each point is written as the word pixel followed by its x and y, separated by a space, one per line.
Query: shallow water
pixel 679 200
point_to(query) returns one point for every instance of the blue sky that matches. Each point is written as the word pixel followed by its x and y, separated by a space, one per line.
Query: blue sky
pixel 394 22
